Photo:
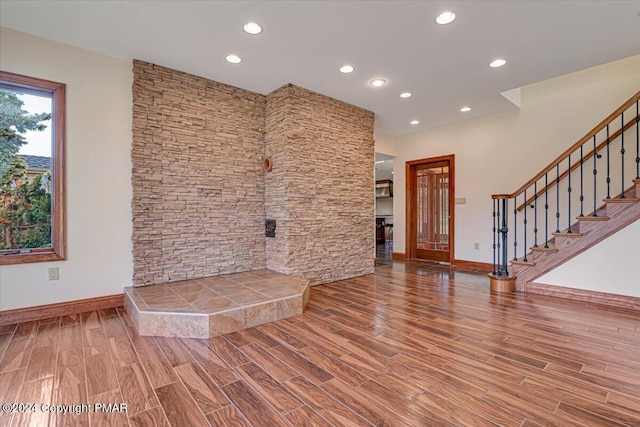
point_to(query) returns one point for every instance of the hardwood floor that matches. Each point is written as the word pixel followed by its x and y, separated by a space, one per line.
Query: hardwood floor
pixel 414 345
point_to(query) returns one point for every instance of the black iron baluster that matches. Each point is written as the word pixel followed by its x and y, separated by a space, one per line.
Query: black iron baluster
pixel 535 214
pixel 569 196
pixel 622 152
pixel 608 176
pixel 546 211
pixel 558 198
pixel 499 238
pixel 505 231
pixel 515 228
pixel 494 236
pixel 595 175
pixel 582 184
pixel 637 143
pixel 525 226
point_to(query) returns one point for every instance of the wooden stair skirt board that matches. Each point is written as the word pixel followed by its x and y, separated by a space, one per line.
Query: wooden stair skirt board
pixel 27 314
pixel 566 246
pixel 613 300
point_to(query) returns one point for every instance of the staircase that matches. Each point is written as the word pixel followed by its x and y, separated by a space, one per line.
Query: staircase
pixel 578 189
pixel 616 214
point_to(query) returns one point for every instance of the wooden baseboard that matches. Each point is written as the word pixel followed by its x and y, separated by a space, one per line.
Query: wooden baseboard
pixel 473 265
pixel 613 300
pixel 8 317
pixel 398 255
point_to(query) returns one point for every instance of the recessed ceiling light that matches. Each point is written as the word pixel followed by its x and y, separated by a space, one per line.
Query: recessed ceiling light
pixel 234 59
pixel 378 82
pixel 445 17
pixel 465 109
pixel 252 28
pixel 346 69
pixel 497 63
pixel 405 95
pixel 414 122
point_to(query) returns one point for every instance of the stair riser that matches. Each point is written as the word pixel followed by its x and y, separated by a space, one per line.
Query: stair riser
pixel 612 208
pixel 590 225
pixel 539 256
pixel 565 242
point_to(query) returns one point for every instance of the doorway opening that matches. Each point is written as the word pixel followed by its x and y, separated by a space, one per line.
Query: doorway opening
pixel 430 209
pixel 384 208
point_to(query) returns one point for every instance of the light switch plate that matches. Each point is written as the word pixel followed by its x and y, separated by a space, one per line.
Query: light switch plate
pixel 54 273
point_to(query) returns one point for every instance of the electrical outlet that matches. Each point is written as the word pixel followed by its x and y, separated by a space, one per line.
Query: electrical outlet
pixel 476 245
pixel 54 273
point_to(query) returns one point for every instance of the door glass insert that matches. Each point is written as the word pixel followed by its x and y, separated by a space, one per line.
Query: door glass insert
pixel 433 208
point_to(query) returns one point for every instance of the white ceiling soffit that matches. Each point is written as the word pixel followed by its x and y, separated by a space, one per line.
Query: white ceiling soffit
pixel 514 95
pixel 382 157
pixel 445 67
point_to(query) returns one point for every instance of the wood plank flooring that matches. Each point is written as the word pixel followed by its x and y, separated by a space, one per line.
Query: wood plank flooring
pixel 412 345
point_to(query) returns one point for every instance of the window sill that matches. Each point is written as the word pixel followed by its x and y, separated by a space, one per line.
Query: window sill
pixel 37 255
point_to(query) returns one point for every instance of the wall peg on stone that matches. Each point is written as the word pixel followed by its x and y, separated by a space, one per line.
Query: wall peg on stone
pixel 267 164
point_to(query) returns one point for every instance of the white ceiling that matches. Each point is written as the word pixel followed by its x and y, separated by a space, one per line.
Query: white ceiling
pixel 305 42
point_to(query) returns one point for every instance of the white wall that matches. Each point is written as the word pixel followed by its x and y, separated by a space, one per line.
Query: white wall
pixel 497 154
pixel 98 164
pixel 610 266
pixel 385 144
pixel 384 206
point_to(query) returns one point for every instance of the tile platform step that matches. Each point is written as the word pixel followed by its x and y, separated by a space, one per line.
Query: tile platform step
pixel 212 306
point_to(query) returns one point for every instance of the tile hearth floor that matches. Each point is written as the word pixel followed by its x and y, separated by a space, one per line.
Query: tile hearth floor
pixel 211 306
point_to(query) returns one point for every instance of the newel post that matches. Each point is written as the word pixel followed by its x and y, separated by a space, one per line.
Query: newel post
pixel 500 281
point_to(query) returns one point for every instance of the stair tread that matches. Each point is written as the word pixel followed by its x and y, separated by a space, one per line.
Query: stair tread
pixel 622 200
pixel 521 262
pixel 565 234
pixel 593 218
pixel 543 249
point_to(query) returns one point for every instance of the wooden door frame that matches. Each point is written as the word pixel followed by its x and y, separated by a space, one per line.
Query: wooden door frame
pixel 409 227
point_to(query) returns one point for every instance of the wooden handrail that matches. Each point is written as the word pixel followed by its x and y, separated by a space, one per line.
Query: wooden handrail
pixel 571 149
pixel 586 157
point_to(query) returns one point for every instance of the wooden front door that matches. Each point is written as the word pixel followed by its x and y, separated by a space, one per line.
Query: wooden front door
pixel 430 209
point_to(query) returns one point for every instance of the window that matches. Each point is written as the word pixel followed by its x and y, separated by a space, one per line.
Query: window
pixel 32 192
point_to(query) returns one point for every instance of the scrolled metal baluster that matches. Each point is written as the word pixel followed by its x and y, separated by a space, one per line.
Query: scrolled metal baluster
pixel 535 214
pixel 546 211
pixel 525 226
pixel 515 228
pixel 494 236
pixel 558 198
pixel 499 238
pixel 505 236
pixel 595 176
pixel 637 143
pixel 608 166
pixel 569 196
pixel 582 184
pixel 622 152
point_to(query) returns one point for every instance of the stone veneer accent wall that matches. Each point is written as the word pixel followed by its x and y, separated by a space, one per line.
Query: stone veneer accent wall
pixel 321 188
pixel 198 184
